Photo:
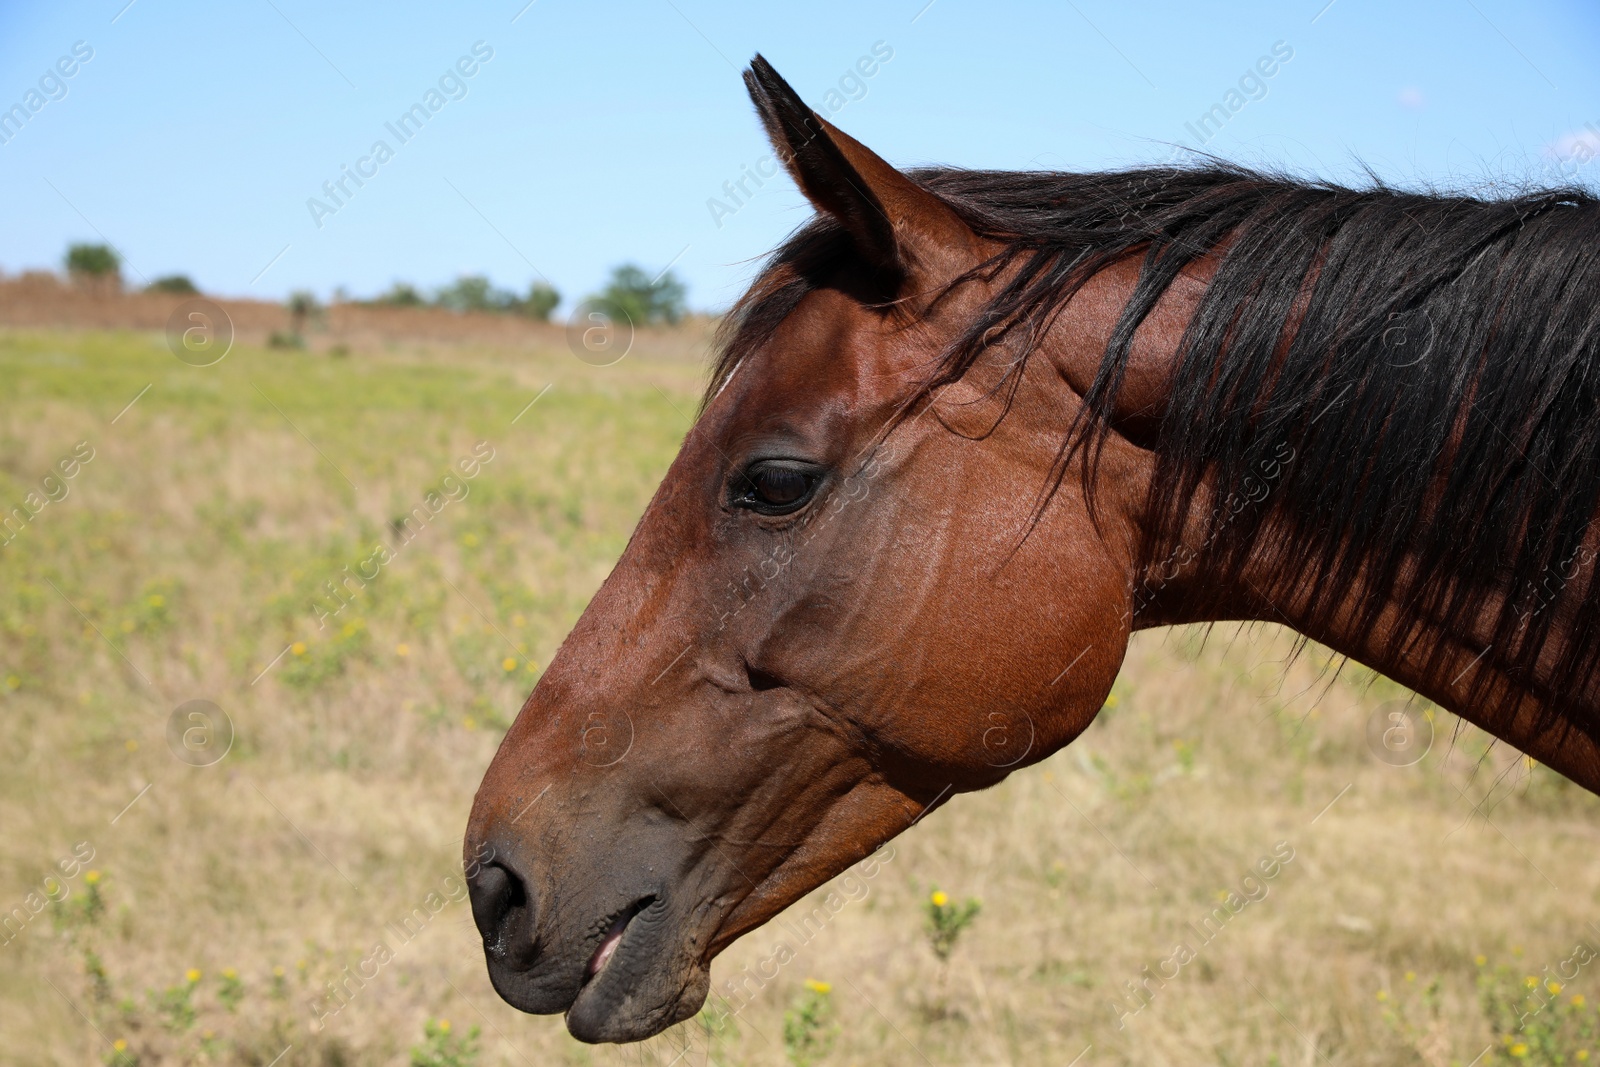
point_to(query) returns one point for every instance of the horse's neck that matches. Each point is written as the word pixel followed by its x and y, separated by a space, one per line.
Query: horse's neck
pixel 1453 664
pixel 1456 670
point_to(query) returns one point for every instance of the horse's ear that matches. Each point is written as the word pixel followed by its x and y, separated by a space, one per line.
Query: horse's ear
pixel 897 225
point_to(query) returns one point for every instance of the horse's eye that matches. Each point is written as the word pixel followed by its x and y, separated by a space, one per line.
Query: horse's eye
pixel 775 488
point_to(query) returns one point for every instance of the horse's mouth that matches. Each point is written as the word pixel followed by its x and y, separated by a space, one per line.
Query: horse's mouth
pixel 613 937
pixel 634 984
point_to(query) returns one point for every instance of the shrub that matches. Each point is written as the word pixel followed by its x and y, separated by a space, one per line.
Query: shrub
pixel 441 1048
pixel 474 292
pixel 176 1003
pixel 309 665
pixel 633 295
pixel 808 1032
pixel 92 905
pixel 303 306
pixel 946 920
pixel 231 992
pixel 1534 1023
pixel 98 263
pixel 177 284
pixel 401 295
pixel 542 300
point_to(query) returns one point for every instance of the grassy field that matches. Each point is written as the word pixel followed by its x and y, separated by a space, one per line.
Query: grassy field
pixel 197 913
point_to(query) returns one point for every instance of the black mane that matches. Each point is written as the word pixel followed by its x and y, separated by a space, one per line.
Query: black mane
pixel 1430 360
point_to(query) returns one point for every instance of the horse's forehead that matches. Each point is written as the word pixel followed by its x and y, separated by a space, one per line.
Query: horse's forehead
pixel 828 349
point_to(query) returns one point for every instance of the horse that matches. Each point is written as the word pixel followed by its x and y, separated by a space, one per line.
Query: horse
pixel 969 430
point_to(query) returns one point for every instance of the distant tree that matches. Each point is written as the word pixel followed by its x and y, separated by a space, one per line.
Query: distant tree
pixel 473 292
pixel 178 284
pixel 542 300
pixel 98 264
pixel 633 294
pixel 302 306
pixel 401 295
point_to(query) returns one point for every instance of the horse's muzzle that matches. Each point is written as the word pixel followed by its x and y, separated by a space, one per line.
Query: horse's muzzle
pixel 617 960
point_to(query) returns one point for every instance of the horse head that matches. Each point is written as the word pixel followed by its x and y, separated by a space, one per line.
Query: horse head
pixel 842 607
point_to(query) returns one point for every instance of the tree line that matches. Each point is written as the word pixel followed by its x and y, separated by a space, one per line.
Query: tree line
pixel 630 292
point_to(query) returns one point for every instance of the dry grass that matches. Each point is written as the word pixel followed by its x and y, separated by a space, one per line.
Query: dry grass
pixel 185 558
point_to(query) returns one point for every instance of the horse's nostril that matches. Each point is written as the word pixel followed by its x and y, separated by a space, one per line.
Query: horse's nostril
pixel 761 681
pixel 499 907
pixel 491 892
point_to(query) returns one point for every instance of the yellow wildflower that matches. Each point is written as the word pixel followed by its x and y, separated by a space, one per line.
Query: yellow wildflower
pixel 403 649
pixel 1382 995
pixel 131 745
pixel 120 1045
pixel 277 972
pixel 1577 1000
pixel 1531 982
pixel 1480 959
pixel 1583 1054
pixel 444 1026
pixel 939 898
pixel 298 648
pixel 1411 976
pixel 192 975
pixel 508 664
pixel 1520 1049
pixel 1553 985
pixel 818 987
pixel 229 972
pixel 155 600
pixel 93 878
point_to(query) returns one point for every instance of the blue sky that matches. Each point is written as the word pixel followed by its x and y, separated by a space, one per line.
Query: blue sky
pixel 197 133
